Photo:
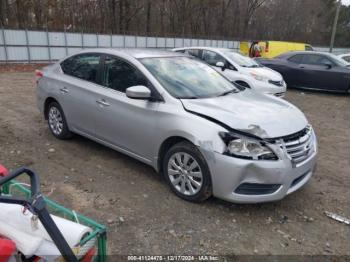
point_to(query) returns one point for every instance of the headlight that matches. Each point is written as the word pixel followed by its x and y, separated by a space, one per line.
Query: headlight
pixel 260 77
pixel 246 148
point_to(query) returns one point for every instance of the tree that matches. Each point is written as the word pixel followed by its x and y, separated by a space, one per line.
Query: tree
pixel 297 20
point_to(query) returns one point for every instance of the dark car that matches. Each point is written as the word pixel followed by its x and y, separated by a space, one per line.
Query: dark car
pixel 312 70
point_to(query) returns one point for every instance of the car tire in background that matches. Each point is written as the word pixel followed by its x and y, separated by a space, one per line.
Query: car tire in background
pixel 187 172
pixel 56 121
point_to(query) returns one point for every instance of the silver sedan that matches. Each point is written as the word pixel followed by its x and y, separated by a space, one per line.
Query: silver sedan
pixel 177 114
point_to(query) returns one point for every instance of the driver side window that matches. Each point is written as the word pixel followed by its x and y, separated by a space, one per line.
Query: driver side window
pixel 119 75
pixel 213 58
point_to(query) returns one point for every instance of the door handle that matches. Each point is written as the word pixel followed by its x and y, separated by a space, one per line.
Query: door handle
pixel 64 90
pixel 102 102
pixel 302 67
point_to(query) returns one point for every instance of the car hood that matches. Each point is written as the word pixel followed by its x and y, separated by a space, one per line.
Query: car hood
pixel 264 71
pixel 257 114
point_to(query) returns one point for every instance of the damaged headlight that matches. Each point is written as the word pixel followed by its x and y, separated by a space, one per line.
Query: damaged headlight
pixel 246 147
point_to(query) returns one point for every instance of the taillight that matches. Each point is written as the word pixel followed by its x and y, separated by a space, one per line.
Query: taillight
pixel 38 75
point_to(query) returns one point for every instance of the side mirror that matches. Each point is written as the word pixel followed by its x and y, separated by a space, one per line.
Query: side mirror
pixel 138 92
pixel 221 65
pixel 328 65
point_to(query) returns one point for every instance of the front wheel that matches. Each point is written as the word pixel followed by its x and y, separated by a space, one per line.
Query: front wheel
pixel 187 172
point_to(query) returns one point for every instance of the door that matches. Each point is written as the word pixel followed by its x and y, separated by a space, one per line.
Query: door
pixel 292 71
pixel 212 58
pixel 320 72
pixel 77 91
pixel 128 124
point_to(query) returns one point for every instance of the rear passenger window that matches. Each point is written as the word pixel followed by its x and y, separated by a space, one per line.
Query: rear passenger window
pixel 84 66
pixel 119 75
pixel 346 58
pixel 296 59
pixel 316 60
pixel 193 52
pixel 212 58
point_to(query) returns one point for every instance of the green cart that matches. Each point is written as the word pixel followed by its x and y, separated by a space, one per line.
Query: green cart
pixel 14 189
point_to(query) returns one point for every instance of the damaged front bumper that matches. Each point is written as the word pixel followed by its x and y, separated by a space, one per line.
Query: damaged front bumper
pixel 247 181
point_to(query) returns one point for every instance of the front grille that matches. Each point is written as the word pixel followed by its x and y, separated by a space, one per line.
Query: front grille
pixel 299 146
pixel 276 83
pixel 257 189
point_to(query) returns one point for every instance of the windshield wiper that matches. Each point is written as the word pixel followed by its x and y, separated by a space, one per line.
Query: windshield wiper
pixel 233 91
pixel 188 97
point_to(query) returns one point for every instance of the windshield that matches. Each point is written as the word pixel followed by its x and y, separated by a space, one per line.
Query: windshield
pixel 241 60
pixel 184 77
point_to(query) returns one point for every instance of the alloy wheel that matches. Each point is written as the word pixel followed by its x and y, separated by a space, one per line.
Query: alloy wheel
pixel 185 173
pixel 55 120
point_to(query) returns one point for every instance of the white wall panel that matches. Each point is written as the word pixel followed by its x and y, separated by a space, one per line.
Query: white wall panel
pixel 130 41
pixel 2 54
pixel 141 42
pixel 56 38
pixel 104 40
pixel 15 37
pixel 17 53
pixel 37 38
pixel 90 40
pixel 74 39
pixel 151 42
pixel 117 41
pixel 39 53
pixel 58 53
pixel 161 42
pixel 73 50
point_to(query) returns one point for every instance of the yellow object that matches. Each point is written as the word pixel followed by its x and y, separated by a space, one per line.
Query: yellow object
pixel 271 49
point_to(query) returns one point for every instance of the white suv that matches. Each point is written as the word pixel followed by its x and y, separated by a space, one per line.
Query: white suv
pixel 240 69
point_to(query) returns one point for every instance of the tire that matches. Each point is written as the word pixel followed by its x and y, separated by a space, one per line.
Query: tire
pixel 56 121
pixel 185 182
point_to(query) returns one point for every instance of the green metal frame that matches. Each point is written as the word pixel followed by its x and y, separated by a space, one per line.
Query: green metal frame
pixel 99 231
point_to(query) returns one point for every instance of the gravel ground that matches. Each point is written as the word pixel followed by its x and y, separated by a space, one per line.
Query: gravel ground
pixel 144 217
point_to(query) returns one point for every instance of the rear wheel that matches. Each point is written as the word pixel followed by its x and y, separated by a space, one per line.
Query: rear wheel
pixel 187 172
pixel 57 121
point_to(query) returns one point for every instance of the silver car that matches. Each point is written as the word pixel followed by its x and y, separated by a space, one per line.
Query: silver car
pixel 177 114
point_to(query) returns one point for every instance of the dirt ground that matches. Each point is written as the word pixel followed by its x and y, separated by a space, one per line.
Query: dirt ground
pixel 144 217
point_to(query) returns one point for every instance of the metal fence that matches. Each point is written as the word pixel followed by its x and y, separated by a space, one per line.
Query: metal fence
pixel 29 46
pixel 39 46
pixel 336 51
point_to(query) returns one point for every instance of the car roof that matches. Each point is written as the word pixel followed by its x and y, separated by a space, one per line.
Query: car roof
pixel 137 53
pixel 204 47
pixel 293 53
pixel 306 53
pixel 342 55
